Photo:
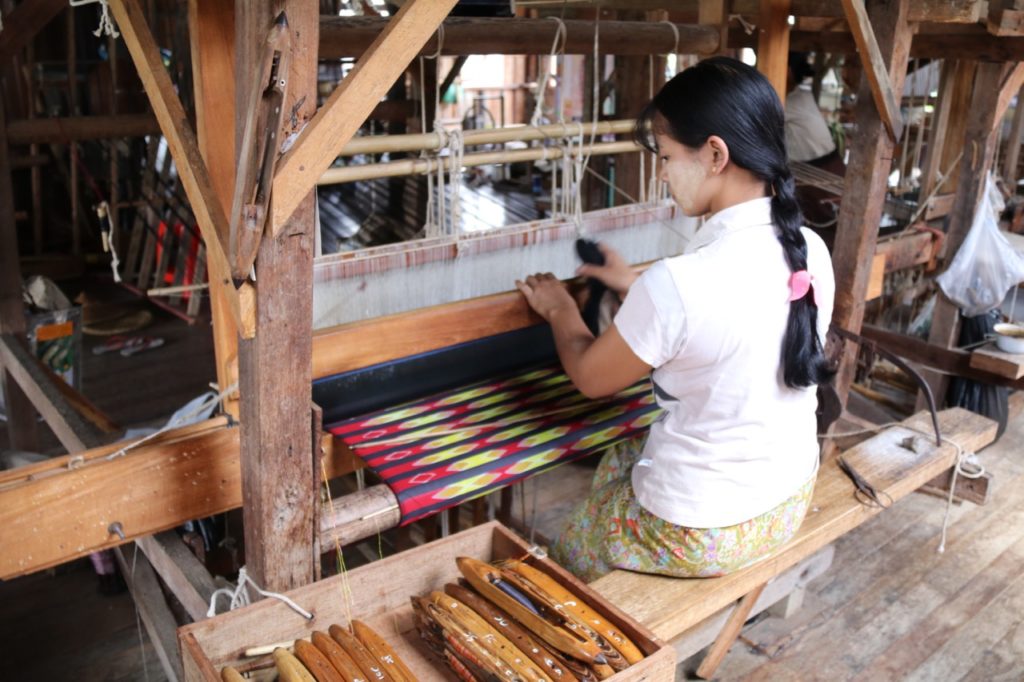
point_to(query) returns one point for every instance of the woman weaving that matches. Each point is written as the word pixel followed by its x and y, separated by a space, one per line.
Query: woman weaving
pixel 732 329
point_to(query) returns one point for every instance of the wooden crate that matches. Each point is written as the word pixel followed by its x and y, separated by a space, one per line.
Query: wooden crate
pixel 380 597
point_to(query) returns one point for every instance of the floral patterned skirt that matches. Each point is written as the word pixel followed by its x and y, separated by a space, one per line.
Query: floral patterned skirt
pixel 610 530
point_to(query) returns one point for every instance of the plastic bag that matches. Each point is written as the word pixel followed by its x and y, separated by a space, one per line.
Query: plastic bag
pixel 986 266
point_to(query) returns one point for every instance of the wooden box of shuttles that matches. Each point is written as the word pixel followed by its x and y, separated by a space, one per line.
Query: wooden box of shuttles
pixel 379 596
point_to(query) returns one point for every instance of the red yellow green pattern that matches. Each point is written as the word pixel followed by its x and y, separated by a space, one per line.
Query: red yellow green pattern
pixel 442 450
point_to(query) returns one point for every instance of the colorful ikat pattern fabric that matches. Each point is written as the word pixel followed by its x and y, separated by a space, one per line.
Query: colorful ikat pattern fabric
pixel 446 449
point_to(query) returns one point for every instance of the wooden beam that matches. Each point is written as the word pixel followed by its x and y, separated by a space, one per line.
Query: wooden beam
pixel 1008 89
pixel 961 12
pixel 21 418
pixel 274 368
pixel 351 102
pixel 773 43
pixel 979 149
pixel 61 510
pixel 963 43
pixel 352 36
pixel 73 432
pixel 181 141
pixel 24 24
pixel 153 610
pixel 185 576
pixel 874 67
pixel 865 187
pixel 212 38
pixel 61 130
pixel 727 637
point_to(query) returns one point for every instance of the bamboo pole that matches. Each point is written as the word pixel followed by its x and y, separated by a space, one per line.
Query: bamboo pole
pixel 338 176
pixel 381 144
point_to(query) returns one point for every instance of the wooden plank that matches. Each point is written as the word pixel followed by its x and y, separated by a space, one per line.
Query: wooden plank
pixel 773 43
pixel 982 138
pixel 906 250
pixel 864 188
pixel 357 344
pixel 24 23
pixel 64 513
pixel 968 12
pixel 939 206
pixel 874 67
pixel 21 418
pixel 974 490
pixel 278 482
pixel 62 130
pixel 351 37
pixel 988 358
pixel 351 102
pixel 834 511
pixel 181 142
pixel 153 610
pixel 185 576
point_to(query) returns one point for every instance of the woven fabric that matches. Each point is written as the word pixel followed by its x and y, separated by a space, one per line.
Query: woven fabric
pixel 452 447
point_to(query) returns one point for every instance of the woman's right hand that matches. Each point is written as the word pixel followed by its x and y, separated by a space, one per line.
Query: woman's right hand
pixel 616 273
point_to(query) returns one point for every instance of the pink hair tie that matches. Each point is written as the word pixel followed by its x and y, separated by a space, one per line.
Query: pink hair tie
pixel 800 282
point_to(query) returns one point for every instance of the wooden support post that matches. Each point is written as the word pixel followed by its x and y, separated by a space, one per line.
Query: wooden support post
pixel 874 68
pixel 181 141
pixel 275 367
pixel 185 576
pixel 21 418
pixel 727 637
pixel 979 149
pixel 949 117
pixel 865 187
pixel 713 13
pixel 1013 145
pixel 773 43
pixel 153 610
pixel 351 102
pixel 632 91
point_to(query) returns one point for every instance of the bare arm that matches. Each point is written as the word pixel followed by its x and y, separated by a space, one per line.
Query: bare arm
pixel 597 366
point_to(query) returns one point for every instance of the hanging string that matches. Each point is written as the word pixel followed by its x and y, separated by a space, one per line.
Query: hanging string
pixel 107 235
pixel 106 26
pixel 456 147
pixel 346 590
pixel 748 27
pixel 675 46
pixel 557 48
pixel 966 465
pixel 239 596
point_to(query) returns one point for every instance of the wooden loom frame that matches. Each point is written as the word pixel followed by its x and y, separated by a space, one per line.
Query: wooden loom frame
pixel 208 160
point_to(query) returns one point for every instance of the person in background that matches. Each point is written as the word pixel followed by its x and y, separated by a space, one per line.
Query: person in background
pixel 809 140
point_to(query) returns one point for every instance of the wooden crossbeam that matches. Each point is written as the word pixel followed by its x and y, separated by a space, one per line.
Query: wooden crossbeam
pixel 72 128
pixel 24 23
pixel 73 432
pixel 351 103
pixel 180 570
pixel 874 67
pixel 181 141
pixel 1008 89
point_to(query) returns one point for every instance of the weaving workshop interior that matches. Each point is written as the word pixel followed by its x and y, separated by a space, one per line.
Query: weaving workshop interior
pixel 539 340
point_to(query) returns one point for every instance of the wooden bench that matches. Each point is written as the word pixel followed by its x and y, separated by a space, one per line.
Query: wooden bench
pixel 684 606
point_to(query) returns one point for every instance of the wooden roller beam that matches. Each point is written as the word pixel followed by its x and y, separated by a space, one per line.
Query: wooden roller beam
pixel 77 128
pixel 349 37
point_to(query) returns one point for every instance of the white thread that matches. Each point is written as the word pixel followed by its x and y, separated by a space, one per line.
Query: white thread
pixel 75 462
pixel 239 596
pixel 456 146
pixel 543 74
pixel 107 235
pixel 675 33
pixel 199 409
pixel 748 27
pixel 106 26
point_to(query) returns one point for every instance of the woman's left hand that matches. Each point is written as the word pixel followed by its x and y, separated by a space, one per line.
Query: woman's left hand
pixel 547 295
